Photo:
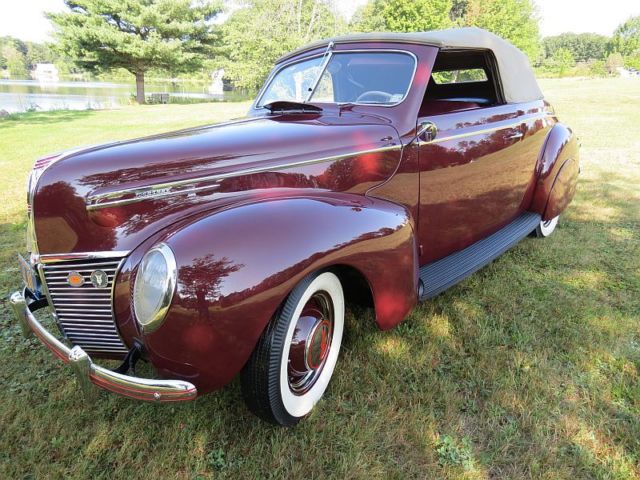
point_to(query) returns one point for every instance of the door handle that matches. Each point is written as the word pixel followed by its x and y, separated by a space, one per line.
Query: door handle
pixel 515 136
pixel 427 131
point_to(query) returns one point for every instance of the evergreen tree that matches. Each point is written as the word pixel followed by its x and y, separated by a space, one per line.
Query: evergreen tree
pixel 136 35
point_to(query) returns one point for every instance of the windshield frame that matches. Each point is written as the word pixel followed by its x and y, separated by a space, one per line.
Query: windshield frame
pixel 257 105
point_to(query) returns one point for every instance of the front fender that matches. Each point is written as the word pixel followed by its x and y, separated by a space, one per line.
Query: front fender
pixel 557 173
pixel 236 266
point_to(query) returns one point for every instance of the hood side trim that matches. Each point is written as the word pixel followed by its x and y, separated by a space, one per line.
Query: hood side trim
pixel 66 257
pixel 181 187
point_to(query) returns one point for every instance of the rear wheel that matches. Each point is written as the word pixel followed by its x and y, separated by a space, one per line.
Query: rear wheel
pixel 293 362
pixel 546 227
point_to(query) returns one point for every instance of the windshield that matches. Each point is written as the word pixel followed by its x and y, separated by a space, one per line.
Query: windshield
pixel 373 78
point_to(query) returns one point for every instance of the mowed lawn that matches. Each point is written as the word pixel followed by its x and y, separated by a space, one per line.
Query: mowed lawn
pixel 528 369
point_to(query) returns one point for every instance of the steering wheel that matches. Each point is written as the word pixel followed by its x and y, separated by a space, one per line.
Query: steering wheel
pixel 374 96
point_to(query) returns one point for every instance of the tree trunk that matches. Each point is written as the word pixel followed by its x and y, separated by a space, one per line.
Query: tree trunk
pixel 140 88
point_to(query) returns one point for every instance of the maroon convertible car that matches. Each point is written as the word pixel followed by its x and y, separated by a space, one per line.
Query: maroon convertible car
pixel 384 167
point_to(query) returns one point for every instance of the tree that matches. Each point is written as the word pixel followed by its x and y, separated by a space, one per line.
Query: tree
pixel 259 32
pixel 583 46
pixel 626 38
pixel 15 61
pixel 136 35
pixel 614 61
pixel 633 61
pixel 39 53
pixel 3 43
pixel 403 16
pixel 563 59
pixel 514 20
pixel 13 56
pixel 24 55
pixel 458 9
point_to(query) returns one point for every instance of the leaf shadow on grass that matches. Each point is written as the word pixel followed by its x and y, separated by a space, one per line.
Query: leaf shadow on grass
pixel 43 118
pixel 617 191
pixel 521 341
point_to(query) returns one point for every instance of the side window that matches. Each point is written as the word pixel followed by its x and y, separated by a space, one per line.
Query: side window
pixel 460 76
pixel 461 80
pixel 324 91
pixel 372 78
pixel 293 82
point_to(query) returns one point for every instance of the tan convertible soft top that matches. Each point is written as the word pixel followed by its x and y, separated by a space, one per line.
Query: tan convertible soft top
pixel 518 82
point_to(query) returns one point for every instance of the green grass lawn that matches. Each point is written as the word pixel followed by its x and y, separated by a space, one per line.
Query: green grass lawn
pixel 528 369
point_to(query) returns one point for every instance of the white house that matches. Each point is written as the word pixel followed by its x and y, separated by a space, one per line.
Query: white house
pixel 45 72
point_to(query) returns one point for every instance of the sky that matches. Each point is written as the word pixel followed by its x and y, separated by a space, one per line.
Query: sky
pixel 24 18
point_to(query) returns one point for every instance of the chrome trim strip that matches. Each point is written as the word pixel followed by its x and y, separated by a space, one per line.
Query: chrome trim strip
pixel 329 54
pixel 66 257
pixel 278 69
pixel 481 131
pixel 85 295
pixel 44 286
pixel 346 41
pixel 58 286
pixel 47 294
pixel 112 302
pixel 90 374
pixel 89 321
pixel 93 199
pixel 143 193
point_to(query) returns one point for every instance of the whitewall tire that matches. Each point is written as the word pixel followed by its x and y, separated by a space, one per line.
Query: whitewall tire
pixel 546 227
pixel 294 360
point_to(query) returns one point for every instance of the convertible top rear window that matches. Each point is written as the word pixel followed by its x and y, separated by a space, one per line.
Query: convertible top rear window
pixel 372 78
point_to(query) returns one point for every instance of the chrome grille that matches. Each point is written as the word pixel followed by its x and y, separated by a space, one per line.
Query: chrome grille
pixel 85 313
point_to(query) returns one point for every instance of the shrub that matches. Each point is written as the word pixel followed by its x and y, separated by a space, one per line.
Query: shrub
pixel 614 61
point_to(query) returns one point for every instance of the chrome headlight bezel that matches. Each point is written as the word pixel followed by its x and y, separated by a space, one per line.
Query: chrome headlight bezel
pixel 153 320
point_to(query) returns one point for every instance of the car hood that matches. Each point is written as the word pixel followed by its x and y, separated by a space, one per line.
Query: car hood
pixel 112 197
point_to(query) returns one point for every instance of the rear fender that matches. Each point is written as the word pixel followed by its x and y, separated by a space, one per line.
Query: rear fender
pixel 557 173
pixel 236 266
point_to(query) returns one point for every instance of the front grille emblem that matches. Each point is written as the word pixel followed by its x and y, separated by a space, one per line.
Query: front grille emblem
pixel 75 279
pixel 99 279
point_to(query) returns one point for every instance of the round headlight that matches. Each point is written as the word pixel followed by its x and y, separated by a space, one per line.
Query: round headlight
pixel 154 286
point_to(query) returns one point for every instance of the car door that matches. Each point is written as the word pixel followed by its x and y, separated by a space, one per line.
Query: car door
pixel 473 177
pixel 475 169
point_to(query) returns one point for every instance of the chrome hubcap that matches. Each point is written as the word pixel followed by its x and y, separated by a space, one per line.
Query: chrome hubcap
pixel 310 344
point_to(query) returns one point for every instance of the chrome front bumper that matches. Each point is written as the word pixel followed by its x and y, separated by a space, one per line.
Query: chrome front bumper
pixel 90 374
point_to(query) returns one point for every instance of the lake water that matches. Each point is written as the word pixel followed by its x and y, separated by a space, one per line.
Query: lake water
pixel 23 95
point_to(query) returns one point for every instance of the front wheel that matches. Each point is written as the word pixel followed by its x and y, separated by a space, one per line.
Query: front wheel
pixel 546 227
pixel 292 364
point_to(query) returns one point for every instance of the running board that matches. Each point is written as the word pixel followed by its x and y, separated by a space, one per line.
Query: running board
pixel 436 277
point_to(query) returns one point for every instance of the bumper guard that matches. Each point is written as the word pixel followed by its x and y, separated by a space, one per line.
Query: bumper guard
pixel 89 374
